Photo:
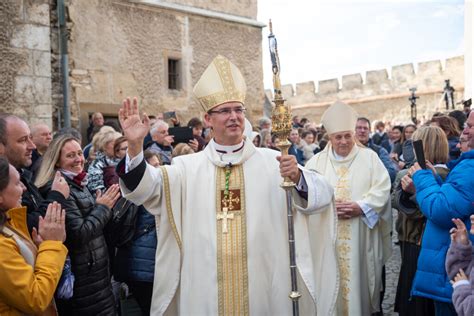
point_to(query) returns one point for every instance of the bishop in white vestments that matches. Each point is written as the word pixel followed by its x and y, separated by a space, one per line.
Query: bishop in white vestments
pixel 222 237
pixel 362 193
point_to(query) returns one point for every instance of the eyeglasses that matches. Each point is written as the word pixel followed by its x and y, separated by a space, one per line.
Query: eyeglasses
pixel 122 149
pixel 228 111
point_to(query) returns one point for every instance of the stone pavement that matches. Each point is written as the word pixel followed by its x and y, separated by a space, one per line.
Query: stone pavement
pixel 392 269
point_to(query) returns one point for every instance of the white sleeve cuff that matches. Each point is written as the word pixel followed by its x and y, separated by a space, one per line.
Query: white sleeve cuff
pixel 370 217
pixel 302 186
pixel 131 164
pixel 460 282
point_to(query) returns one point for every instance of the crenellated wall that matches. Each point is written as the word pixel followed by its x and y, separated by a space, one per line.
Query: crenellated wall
pixel 380 95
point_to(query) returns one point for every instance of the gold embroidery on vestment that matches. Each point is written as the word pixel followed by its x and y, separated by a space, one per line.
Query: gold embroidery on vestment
pixel 343 194
pixel 169 210
pixel 232 272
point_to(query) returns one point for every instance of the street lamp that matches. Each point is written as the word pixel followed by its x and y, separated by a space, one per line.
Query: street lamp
pixel 448 95
pixel 412 100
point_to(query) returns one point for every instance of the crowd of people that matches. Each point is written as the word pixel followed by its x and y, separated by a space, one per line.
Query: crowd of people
pixel 84 222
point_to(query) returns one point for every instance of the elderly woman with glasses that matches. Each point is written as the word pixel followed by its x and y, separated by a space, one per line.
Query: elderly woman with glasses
pixel 106 155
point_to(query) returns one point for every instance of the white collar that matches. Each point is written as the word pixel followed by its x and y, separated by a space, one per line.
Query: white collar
pixel 236 158
pixel 338 157
pixel 223 149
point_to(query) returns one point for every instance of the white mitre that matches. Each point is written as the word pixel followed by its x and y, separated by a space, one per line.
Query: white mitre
pixel 339 117
pixel 220 83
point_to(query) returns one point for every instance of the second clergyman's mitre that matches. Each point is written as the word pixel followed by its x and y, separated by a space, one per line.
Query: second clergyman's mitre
pixel 221 82
pixel 339 117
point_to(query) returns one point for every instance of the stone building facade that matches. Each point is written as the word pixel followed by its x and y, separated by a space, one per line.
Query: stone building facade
pixel 153 49
pixel 25 60
pixel 380 96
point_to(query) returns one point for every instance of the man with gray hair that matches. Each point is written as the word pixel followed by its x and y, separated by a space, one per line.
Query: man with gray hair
pixel 41 136
pixel 161 141
pixel 361 192
pixel 265 123
pixel 97 119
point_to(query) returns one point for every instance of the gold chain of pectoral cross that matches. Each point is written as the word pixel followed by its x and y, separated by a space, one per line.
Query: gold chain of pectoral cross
pixel 227 202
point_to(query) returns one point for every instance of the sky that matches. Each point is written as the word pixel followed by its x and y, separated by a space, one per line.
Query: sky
pixel 325 39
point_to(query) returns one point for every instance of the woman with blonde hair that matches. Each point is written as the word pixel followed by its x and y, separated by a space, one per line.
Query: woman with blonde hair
pixel 86 219
pixel 30 268
pixel 182 149
pixel 450 126
pixel 411 222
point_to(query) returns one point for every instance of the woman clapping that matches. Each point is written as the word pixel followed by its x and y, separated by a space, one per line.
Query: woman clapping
pixel 30 269
pixel 85 222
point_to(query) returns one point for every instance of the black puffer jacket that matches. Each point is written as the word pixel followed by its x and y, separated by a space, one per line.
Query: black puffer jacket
pixel 36 204
pixel 85 222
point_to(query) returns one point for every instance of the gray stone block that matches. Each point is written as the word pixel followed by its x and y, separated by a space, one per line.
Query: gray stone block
pixel 31 36
pixel 305 88
pixel 353 81
pixel 38 13
pixel 376 76
pixel 26 68
pixel 328 86
pixel 24 89
pixel 403 73
pixel 42 90
pixel 42 63
pixel 429 68
pixel 287 91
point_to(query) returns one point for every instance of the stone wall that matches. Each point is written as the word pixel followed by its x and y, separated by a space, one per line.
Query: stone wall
pixel 25 67
pixel 119 49
pixel 245 8
pixel 380 96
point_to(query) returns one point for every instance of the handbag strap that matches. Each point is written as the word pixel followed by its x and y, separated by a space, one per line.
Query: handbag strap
pixel 28 250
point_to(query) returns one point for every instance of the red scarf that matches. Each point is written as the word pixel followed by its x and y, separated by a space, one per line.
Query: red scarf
pixel 80 179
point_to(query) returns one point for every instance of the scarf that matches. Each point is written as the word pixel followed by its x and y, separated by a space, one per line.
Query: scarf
pixel 78 178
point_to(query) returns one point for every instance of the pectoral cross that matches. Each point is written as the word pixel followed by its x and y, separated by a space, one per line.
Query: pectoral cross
pixel 224 216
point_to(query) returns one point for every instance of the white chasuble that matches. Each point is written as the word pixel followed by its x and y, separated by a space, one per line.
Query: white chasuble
pixel 362 252
pixel 231 258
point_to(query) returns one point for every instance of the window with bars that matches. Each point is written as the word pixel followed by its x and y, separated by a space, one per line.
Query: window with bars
pixel 174 74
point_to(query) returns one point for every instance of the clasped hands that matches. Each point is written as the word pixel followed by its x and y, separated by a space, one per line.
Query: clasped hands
pixel 348 210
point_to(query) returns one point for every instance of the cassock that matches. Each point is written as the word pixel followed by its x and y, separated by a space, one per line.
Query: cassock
pixel 364 242
pixel 218 256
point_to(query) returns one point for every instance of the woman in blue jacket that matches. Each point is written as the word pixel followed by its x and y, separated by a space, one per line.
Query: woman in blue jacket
pixel 440 202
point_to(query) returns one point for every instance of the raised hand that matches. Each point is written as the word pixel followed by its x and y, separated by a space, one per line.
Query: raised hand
pixel 52 226
pixel 459 233
pixel 169 139
pixel 109 197
pixel 134 128
pixel 60 185
pixel 194 144
pixel 407 184
pixel 460 276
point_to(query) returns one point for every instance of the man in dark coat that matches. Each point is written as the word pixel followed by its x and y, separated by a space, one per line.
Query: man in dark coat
pixel 16 145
